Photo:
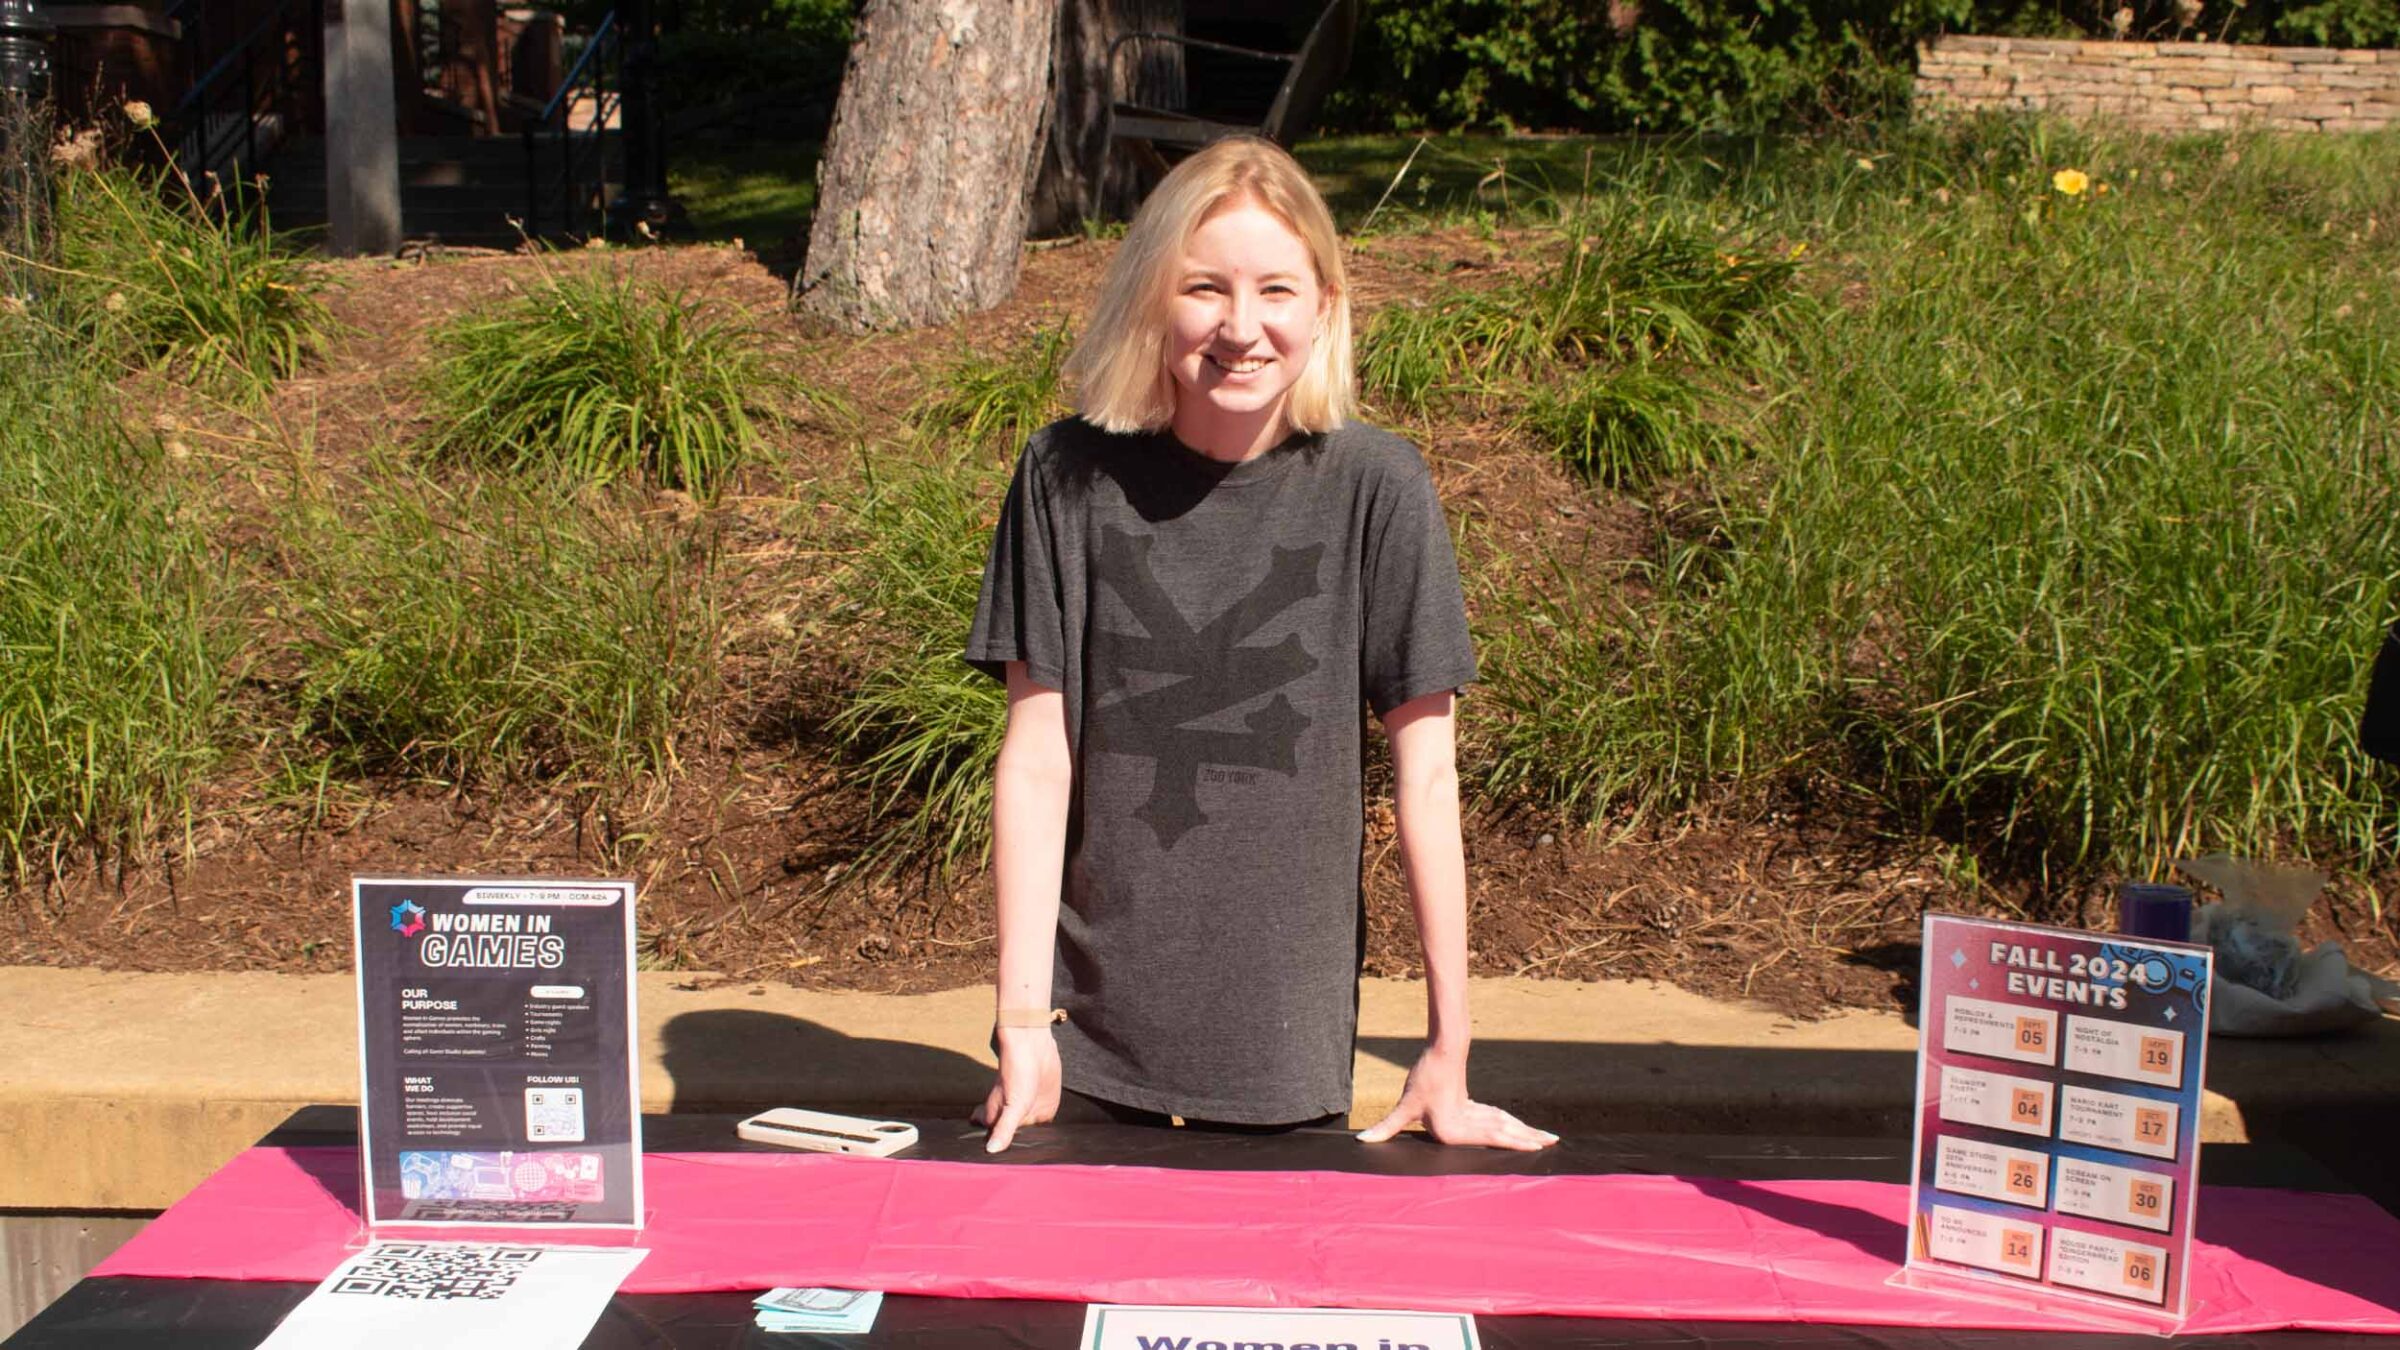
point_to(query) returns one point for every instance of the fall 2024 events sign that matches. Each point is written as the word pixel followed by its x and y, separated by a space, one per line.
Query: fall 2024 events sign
pixel 2058 1129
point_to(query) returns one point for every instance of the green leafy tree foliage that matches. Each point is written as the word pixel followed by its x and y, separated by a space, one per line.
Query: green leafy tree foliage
pixel 2341 23
pixel 1740 65
pixel 1658 64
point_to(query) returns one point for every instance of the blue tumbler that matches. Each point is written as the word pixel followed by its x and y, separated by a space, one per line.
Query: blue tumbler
pixel 2155 909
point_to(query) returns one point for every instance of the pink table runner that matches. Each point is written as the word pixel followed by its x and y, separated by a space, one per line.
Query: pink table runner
pixel 1594 1246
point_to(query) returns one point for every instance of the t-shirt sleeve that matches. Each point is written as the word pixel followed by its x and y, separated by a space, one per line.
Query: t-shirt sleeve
pixel 1018 616
pixel 1416 638
pixel 2379 725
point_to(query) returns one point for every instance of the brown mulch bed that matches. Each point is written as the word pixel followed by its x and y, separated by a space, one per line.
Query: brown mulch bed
pixel 1804 905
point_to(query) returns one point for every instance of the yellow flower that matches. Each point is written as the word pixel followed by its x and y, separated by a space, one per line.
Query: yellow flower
pixel 138 113
pixel 1866 163
pixel 2072 182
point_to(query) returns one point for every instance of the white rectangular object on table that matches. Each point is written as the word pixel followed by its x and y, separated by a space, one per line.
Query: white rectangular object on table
pixel 825 1132
pixel 459 1296
pixel 825 1312
pixel 1113 1326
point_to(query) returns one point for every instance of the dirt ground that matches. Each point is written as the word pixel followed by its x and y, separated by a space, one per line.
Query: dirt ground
pixel 1805 902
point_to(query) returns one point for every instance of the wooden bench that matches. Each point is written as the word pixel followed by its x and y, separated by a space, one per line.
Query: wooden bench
pixel 1309 75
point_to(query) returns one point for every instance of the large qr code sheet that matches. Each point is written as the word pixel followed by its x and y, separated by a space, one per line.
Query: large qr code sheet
pixel 436 1271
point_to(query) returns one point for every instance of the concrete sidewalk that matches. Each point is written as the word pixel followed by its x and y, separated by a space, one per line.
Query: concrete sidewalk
pixel 121 1091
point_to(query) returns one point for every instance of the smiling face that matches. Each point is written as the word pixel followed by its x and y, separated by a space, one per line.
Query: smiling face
pixel 1241 325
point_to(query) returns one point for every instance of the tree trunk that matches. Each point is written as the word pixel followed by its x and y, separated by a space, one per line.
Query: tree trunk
pixel 1082 176
pixel 928 168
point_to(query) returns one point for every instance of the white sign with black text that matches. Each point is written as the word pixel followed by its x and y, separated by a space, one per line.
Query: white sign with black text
pixel 1113 1326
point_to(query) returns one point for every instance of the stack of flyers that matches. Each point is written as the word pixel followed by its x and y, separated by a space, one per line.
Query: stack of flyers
pixel 832 1312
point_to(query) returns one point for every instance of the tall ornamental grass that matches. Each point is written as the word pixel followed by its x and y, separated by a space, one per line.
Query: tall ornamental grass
pixel 992 404
pixel 924 726
pixel 1621 286
pixel 2082 530
pixel 591 376
pixel 116 641
pixel 1626 426
pixel 154 273
pixel 497 630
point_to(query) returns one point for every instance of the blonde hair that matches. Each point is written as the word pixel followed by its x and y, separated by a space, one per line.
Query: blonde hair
pixel 1120 365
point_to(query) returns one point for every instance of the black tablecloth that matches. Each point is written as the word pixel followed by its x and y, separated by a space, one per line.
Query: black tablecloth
pixel 125 1313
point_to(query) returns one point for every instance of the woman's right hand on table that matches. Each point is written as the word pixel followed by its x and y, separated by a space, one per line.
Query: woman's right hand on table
pixel 1026 1090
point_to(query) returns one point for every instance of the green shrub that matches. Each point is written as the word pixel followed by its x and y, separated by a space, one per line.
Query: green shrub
pixel 1460 342
pixel 116 640
pixel 765 76
pixel 1588 708
pixel 1671 287
pixel 2339 23
pixel 1664 65
pixel 2080 534
pixel 991 405
pixel 1626 290
pixel 593 376
pixel 1734 66
pixel 153 274
pixel 924 725
pixel 1406 353
pixel 500 630
pixel 1627 426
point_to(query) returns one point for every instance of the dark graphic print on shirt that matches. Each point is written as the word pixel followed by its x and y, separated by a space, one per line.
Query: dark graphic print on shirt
pixel 1214 673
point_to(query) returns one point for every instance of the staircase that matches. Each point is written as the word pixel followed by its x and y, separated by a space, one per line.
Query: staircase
pixel 453 189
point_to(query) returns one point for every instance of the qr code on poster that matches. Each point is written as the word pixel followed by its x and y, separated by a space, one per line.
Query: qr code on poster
pixel 427 1270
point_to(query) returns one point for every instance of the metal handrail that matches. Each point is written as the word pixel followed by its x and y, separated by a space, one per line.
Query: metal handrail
pixel 191 112
pixel 590 71
pixel 1203 43
pixel 601 36
pixel 206 83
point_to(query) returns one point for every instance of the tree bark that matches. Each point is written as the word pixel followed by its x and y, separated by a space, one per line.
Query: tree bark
pixel 1082 176
pixel 928 168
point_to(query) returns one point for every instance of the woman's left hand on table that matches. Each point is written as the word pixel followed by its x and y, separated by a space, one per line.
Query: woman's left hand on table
pixel 1436 1097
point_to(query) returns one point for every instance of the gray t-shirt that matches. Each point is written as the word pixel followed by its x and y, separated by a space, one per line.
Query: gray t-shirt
pixel 1215 629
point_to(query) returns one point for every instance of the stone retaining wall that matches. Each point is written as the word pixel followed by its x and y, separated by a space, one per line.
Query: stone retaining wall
pixel 2163 86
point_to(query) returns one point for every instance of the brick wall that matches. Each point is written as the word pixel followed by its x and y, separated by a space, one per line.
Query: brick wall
pixel 2163 86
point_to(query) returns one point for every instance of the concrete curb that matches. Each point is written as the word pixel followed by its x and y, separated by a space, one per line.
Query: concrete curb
pixel 121 1091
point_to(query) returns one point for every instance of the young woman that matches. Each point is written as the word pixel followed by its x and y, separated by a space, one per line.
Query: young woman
pixel 1193 587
